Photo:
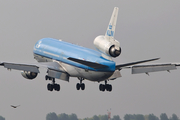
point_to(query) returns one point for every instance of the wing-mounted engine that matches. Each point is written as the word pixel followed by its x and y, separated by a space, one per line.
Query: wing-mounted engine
pixel 29 75
pixel 107 44
pixel 109 47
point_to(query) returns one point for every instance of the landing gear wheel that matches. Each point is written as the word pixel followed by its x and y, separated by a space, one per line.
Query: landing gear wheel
pixel 50 87
pixel 78 86
pixel 56 87
pixel 82 86
pixel 102 87
pixel 106 87
pixel 46 77
pixel 110 88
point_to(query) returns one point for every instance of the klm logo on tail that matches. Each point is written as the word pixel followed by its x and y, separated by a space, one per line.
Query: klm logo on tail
pixel 109 31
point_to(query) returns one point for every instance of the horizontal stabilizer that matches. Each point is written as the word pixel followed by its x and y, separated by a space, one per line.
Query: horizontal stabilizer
pixel 87 63
pixel 152 68
pixel 134 63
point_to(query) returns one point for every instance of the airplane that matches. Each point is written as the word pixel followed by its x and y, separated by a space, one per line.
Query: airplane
pixel 63 60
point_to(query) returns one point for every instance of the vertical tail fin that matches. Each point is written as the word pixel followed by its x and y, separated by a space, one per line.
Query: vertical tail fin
pixel 112 25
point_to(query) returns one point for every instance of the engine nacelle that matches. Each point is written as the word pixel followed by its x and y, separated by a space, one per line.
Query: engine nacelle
pixel 109 47
pixel 29 75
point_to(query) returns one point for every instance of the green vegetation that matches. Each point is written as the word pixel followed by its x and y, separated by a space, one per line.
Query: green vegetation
pixel 1 118
pixel 63 116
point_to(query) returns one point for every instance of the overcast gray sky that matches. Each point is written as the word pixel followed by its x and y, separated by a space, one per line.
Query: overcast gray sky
pixel 145 29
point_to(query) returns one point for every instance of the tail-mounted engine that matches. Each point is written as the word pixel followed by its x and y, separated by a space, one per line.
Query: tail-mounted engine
pixel 29 75
pixel 109 47
pixel 107 44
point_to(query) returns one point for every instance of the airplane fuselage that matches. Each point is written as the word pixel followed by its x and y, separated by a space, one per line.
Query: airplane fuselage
pixel 53 50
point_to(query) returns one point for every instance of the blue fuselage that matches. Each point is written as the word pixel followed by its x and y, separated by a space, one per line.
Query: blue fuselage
pixel 60 51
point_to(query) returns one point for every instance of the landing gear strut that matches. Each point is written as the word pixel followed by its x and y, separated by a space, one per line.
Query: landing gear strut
pixel 107 87
pixel 80 85
pixel 53 85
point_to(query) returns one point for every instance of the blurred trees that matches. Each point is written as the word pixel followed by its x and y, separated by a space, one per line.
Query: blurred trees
pixel 174 117
pixel 64 116
pixel 51 116
pixel 163 116
pixel 134 117
pixel 152 117
pixel 1 118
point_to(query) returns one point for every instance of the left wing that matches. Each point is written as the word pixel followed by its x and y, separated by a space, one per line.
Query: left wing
pixel 119 67
pixel 147 68
pixel 153 68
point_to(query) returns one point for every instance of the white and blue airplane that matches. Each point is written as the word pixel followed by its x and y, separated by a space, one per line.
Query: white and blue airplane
pixel 64 60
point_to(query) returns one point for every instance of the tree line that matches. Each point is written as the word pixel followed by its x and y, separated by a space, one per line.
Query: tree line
pixel 2 118
pixel 64 116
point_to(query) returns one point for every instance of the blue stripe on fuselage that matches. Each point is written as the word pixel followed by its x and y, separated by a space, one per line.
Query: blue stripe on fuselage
pixel 60 51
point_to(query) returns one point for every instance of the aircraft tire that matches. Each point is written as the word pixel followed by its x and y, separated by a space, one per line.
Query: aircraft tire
pixel 50 87
pixel 82 86
pixel 56 87
pixel 78 86
pixel 102 87
pixel 107 87
pixel 46 77
pixel 110 88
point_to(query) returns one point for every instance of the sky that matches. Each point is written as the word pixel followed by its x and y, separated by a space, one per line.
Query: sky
pixel 145 30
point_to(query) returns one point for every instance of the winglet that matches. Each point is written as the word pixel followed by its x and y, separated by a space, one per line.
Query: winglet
pixel 112 24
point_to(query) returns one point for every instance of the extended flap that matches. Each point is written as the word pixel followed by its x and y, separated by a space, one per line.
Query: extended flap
pixel 152 68
pixel 58 75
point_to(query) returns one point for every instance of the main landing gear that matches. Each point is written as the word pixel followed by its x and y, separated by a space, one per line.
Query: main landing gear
pixel 80 85
pixel 53 85
pixel 107 87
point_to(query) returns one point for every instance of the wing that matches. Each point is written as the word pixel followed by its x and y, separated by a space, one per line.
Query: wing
pixel 153 68
pixel 24 67
pixel 147 68
pixel 118 67
pixel 54 69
